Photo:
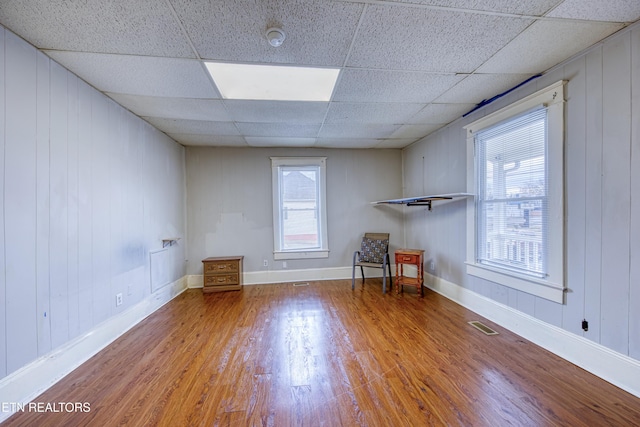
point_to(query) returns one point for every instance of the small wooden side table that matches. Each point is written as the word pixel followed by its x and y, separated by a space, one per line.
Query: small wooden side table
pixel 413 257
pixel 222 274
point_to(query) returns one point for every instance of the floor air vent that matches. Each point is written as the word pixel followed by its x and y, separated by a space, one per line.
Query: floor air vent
pixel 482 327
pixel 301 284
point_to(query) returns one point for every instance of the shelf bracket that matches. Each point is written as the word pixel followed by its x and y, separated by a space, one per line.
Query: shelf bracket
pixel 170 241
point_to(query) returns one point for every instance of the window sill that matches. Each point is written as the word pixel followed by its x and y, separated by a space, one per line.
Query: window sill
pixel 307 254
pixel 546 289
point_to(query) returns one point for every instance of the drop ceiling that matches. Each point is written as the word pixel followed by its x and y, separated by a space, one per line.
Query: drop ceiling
pixel 407 67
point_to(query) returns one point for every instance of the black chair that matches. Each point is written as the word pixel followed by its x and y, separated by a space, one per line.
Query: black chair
pixel 374 253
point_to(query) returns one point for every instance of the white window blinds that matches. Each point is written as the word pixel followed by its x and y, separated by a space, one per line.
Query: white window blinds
pixel 512 189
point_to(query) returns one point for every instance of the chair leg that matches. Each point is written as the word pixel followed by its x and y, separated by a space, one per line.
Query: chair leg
pixel 362 272
pixel 353 270
pixel 390 277
pixel 384 280
pixel 353 277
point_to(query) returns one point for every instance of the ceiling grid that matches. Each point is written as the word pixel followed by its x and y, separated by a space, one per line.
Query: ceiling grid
pixel 407 67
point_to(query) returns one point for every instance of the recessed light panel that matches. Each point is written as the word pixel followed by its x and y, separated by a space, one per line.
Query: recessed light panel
pixel 268 82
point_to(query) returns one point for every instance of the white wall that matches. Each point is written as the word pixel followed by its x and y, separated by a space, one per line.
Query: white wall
pixel 602 192
pixel 230 207
pixel 88 191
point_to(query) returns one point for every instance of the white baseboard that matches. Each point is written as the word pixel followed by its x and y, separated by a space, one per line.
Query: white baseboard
pixel 28 382
pixel 618 369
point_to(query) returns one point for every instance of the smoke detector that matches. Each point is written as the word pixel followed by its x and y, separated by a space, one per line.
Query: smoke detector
pixel 275 36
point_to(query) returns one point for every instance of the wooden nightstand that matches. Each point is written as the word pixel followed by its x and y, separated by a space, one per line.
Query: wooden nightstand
pixel 222 274
pixel 413 257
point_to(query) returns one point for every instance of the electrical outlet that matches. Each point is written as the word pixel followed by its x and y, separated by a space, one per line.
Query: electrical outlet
pixel 118 299
pixel 432 266
pixel 284 264
pixel 265 263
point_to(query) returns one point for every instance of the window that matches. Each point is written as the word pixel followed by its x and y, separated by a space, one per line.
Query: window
pixel 515 227
pixel 299 208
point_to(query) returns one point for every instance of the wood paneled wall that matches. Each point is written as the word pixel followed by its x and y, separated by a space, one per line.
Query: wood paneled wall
pixel 87 191
pixel 602 193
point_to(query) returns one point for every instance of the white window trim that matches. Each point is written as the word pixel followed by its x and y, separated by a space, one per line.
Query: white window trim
pixel 552 287
pixel 276 163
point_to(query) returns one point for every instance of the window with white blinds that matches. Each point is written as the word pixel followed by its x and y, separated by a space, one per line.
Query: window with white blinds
pixel 299 208
pixel 512 194
pixel 515 225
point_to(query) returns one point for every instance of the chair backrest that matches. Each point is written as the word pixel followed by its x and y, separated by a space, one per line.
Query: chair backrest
pixel 373 248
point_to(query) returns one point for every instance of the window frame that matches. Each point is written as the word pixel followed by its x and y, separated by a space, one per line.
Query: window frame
pixel 279 253
pixel 552 285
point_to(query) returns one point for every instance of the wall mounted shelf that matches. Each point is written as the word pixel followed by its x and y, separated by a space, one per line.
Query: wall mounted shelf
pixel 169 241
pixel 422 200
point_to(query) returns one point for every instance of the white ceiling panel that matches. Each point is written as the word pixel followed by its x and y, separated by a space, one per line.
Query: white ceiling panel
pixel 173 108
pixel 396 37
pixel 391 113
pixel 360 85
pixel 276 111
pixel 440 113
pixel 139 75
pixel 407 67
pixel 279 129
pixel 317 32
pixel 598 10
pixel 478 87
pixel 348 142
pixel 209 140
pixel 414 132
pixel 144 27
pixel 356 130
pixel 538 46
pixel 517 7
pixel 265 141
pixel 198 127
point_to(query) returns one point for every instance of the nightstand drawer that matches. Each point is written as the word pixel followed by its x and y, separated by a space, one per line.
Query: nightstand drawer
pixel 219 267
pixel 407 259
pixel 221 279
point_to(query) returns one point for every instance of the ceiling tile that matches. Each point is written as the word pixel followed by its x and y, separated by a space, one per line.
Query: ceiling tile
pixel 261 141
pixel 173 108
pixel 139 75
pixel 347 142
pixel 391 113
pixel 317 32
pixel 535 8
pixel 356 130
pixel 197 127
pixel 209 140
pixel 598 10
pixel 478 87
pixel 357 85
pixel 144 27
pixel 415 131
pixel 396 37
pixel 279 129
pixel 537 49
pixel 440 113
pixel 276 111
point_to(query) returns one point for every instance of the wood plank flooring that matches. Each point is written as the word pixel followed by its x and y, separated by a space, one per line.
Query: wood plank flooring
pixel 324 355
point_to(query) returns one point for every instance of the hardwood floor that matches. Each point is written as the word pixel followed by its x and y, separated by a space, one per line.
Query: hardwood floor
pixel 322 354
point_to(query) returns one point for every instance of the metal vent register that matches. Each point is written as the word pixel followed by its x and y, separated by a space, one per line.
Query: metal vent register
pixel 482 327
